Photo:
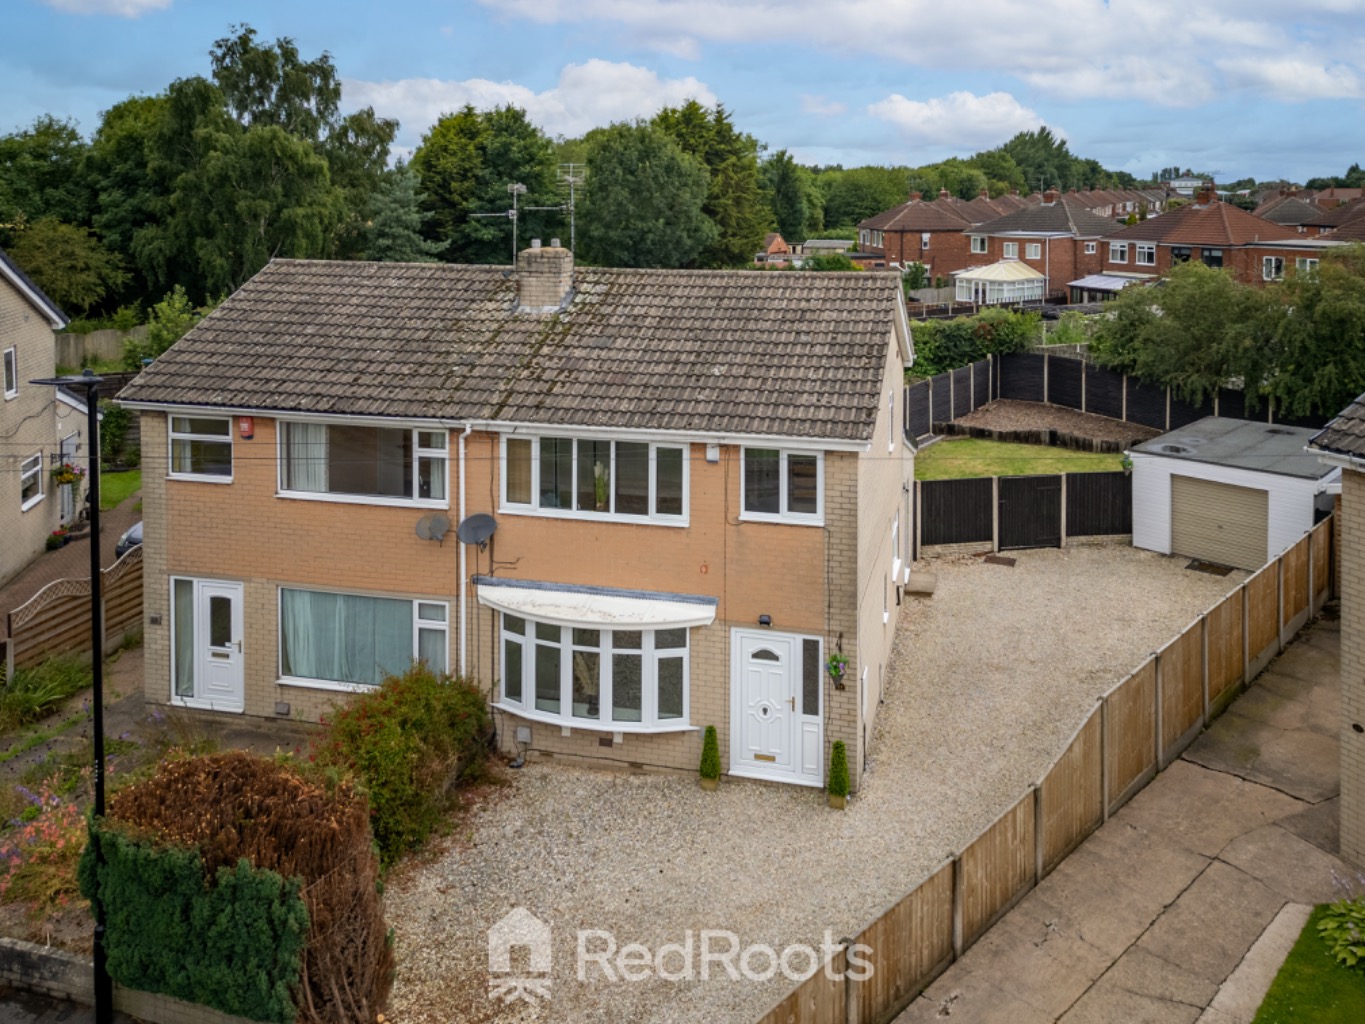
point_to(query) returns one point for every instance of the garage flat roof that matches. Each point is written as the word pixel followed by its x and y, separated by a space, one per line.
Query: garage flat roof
pixel 1262 447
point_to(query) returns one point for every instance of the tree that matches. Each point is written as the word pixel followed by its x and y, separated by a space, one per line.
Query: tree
pixel 644 207
pixel 464 165
pixel 68 263
pixel 790 195
pixel 735 199
pixel 169 321
pixel 41 175
pixel 394 232
pixel 862 192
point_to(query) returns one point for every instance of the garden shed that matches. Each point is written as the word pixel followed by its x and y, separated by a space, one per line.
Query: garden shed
pixel 1228 491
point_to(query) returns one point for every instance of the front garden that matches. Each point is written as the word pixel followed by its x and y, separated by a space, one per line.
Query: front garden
pixel 1323 978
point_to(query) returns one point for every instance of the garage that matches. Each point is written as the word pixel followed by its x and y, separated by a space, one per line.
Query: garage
pixel 1220 523
pixel 1231 492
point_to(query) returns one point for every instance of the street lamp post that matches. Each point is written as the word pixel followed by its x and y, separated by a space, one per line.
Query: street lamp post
pixel 104 986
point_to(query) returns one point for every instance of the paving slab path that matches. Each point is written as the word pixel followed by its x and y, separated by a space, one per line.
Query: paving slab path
pixel 1182 907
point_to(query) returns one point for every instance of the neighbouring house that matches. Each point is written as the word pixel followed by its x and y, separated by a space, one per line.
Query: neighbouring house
pixel 1330 198
pixel 1216 233
pixel 1057 237
pixel 1100 287
pixel 1341 445
pixel 1343 223
pixel 826 246
pixel 39 430
pixel 1232 492
pixel 775 252
pixel 628 503
pixel 1290 210
pixel 917 231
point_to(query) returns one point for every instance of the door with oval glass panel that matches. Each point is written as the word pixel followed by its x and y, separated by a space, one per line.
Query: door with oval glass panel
pixel 776 725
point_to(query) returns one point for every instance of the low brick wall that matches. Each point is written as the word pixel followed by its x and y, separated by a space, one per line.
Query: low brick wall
pixel 1053 438
pixel 63 975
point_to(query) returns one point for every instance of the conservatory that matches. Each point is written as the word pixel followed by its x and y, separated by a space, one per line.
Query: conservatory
pixel 1004 282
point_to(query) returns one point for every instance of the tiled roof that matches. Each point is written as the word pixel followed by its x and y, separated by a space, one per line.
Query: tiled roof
pixel 918 215
pixel 35 295
pixel 799 354
pixel 1213 223
pixel 1288 210
pixel 1066 216
pixel 1338 215
pixel 1353 230
pixel 1345 435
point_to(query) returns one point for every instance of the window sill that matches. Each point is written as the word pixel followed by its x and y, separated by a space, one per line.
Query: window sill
pixel 764 517
pixel 886 617
pixel 366 499
pixel 202 478
pixel 588 725
pixel 325 684
pixel 32 502
pixel 592 517
pixel 205 705
pixel 896 564
pixel 11 394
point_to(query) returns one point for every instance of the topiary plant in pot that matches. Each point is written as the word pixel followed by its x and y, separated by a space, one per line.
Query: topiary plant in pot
pixel 710 759
pixel 838 776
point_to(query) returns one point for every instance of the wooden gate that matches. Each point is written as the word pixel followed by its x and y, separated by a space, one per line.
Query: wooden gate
pixel 1030 512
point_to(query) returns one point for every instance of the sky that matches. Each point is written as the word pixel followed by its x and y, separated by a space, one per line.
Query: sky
pixel 1237 88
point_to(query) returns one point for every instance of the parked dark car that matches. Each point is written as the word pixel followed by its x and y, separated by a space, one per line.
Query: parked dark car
pixel 132 537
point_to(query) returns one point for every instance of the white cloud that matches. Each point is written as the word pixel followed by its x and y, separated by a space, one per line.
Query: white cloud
pixel 821 107
pixel 587 95
pixel 120 8
pixel 1157 51
pixel 960 120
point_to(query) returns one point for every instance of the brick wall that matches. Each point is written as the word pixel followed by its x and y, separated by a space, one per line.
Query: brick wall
pixel 1062 260
pixel 1352 583
pixel 1243 262
pixel 28 425
pixel 948 251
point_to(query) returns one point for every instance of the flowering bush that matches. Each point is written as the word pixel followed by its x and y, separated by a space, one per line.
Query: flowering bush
pixel 39 854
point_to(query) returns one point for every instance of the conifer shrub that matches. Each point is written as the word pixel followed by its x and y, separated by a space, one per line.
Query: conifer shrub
pixel 838 769
pixel 247 885
pixel 710 754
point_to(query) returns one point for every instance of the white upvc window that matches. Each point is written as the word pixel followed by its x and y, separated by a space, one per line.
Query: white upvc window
pixel 30 481
pixel 978 243
pixel 201 448
pixel 618 680
pixel 864 236
pixel 1034 250
pixel 1272 268
pixel 584 477
pixel 352 641
pixel 1011 250
pixel 782 486
pixel 11 373
pixel 1144 254
pixel 1091 248
pixel 1118 252
pixel 364 464
pixel 1305 264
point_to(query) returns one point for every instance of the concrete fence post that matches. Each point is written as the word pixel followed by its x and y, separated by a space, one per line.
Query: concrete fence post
pixel 971 387
pixel 1312 589
pixel 919 519
pixel 1246 635
pixel 1039 846
pixel 1047 365
pixel 1157 690
pixel 1204 658
pixel 952 398
pixel 1279 601
pixel 1085 372
pixel 959 894
pixel 1124 406
pixel 1104 755
pixel 995 515
pixel 1063 516
pixel 930 389
pixel 1168 407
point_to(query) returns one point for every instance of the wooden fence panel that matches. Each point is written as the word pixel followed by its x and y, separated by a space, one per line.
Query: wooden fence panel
pixel 1296 582
pixel 912 943
pixel 1225 645
pixel 1322 564
pixel 1131 743
pixel 817 1000
pixel 956 511
pixel 1182 690
pixel 1098 504
pixel 1073 803
pixel 1263 602
pixel 57 619
pixel 998 868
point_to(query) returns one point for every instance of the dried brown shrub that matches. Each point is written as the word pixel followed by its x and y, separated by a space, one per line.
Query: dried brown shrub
pixel 235 805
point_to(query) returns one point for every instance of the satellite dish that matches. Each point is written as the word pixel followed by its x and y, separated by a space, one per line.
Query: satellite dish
pixel 433 526
pixel 477 529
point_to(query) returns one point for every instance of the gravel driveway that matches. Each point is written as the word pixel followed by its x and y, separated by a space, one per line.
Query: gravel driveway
pixel 990 678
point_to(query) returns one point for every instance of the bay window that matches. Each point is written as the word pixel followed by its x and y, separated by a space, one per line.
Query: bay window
pixel 350 462
pixel 201 448
pixel 633 480
pixel 610 679
pixel 781 485
pixel 355 640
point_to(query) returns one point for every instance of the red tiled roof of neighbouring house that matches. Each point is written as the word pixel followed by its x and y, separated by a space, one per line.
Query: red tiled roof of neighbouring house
pixel 1338 215
pixel 1213 224
pixel 1288 210
pixel 918 215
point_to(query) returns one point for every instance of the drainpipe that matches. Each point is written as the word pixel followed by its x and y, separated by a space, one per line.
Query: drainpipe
pixel 464 588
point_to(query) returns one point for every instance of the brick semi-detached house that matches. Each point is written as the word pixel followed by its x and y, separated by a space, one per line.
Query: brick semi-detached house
pixel 1058 237
pixel 697 479
pixel 1254 250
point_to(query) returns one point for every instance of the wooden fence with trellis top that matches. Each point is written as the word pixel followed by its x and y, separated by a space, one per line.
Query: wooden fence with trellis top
pixel 1136 729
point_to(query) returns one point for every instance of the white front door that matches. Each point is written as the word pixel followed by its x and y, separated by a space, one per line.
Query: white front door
pixel 776 727
pixel 218 632
pixel 68 495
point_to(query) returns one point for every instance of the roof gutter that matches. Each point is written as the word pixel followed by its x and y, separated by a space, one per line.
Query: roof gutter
pixel 1351 462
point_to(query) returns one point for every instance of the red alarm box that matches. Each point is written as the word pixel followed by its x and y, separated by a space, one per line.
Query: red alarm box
pixel 246 427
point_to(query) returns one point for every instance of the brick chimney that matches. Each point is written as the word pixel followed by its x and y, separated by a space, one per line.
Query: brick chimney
pixel 916 196
pixel 985 193
pixel 544 277
pixel 943 193
pixel 1050 197
pixel 1206 194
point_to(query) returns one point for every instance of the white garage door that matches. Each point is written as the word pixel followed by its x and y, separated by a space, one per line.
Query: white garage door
pixel 1219 523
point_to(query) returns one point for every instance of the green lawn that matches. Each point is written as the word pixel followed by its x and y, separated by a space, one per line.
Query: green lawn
pixel 115 487
pixel 970 456
pixel 1312 986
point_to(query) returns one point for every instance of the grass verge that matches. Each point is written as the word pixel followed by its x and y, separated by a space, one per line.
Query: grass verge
pixel 34 692
pixel 971 456
pixel 1312 986
pixel 115 487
